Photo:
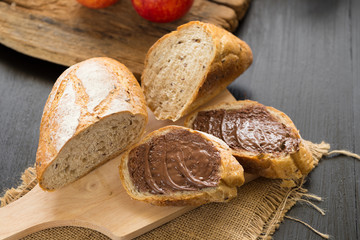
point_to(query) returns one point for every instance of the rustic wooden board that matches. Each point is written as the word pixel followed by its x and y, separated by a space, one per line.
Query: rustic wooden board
pixel 97 201
pixel 64 32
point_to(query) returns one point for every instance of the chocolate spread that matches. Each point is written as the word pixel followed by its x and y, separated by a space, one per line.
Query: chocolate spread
pixel 177 161
pixel 252 129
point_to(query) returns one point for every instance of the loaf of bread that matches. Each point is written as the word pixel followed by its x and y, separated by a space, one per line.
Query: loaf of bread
pixel 95 111
pixel 179 166
pixel 186 68
pixel 264 140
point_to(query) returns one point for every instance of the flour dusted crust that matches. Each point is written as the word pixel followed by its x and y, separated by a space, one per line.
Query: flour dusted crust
pixel 223 59
pixel 286 166
pixel 86 108
pixel 231 176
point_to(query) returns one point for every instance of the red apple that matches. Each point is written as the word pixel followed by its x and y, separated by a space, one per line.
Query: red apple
pixel 97 3
pixel 162 10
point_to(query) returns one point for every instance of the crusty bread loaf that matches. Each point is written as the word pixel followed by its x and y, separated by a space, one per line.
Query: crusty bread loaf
pixel 186 68
pixel 290 164
pixel 230 173
pixel 95 110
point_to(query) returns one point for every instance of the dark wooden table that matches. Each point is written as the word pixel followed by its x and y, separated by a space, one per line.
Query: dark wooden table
pixel 306 63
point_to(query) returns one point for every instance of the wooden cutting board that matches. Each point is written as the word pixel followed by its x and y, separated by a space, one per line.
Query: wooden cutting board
pixel 97 201
pixel 65 32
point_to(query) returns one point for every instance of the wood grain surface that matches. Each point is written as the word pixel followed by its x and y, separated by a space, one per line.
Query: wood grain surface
pixel 354 15
pixel 65 32
pixel 306 63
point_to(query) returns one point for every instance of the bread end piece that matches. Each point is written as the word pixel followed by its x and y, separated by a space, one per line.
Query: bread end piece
pixel 231 177
pixel 186 68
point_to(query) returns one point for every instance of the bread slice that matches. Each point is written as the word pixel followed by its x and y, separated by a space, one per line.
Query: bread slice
pixel 95 110
pixel 186 68
pixel 264 140
pixel 157 170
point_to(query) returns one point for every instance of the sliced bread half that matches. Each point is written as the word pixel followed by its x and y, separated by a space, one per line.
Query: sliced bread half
pixel 95 110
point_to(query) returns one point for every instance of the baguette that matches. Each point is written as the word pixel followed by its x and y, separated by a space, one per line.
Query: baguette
pixel 186 68
pixel 95 110
pixel 179 166
pixel 264 140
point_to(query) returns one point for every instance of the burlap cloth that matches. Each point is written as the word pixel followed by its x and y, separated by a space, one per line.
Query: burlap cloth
pixel 255 214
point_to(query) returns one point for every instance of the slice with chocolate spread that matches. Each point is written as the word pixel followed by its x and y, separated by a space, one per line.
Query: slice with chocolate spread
pixel 179 166
pixel 264 140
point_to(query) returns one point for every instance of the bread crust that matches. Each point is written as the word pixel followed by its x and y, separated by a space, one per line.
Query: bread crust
pixel 231 177
pixel 231 58
pixel 90 108
pixel 285 166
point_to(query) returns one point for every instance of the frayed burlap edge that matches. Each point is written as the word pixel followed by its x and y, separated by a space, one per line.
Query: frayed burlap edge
pixel 281 197
pixel 298 193
pixel 29 181
pixel 292 195
pixel 277 203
